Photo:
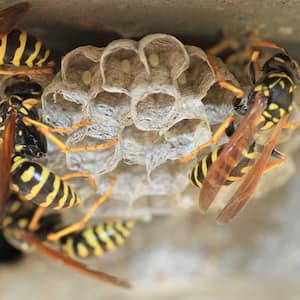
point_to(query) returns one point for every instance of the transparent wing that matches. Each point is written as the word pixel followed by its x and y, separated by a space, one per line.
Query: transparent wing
pixel 250 181
pixel 6 151
pixel 229 157
pixel 11 16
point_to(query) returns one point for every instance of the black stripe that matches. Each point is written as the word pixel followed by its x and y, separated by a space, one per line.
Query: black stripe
pixel 46 189
pixel 12 44
pixel 102 243
pixel 58 196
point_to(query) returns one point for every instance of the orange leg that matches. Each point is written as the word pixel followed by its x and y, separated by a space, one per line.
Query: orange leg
pixel 254 67
pixel 48 132
pixel 224 84
pixel 81 174
pixel 34 223
pixel 292 125
pixel 230 43
pixel 266 44
pixel 276 163
pixel 29 71
pixel 79 225
pixel 213 141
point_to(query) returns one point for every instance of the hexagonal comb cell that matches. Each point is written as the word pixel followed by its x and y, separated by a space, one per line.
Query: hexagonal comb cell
pixel 113 105
pixel 78 66
pixel 154 110
pixel 164 56
pixel 121 67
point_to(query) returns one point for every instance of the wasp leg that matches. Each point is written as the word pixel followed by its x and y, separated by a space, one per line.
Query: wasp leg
pixel 224 84
pixel 228 43
pixel 292 125
pixel 281 159
pixel 34 223
pixel 48 132
pixel 266 44
pixel 79 225
pixel 254 66
pixel 58 256
pixel 28 71
pixel 90 177
pixel 213 141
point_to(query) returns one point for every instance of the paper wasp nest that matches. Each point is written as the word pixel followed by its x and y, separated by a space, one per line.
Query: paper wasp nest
pixel 158 97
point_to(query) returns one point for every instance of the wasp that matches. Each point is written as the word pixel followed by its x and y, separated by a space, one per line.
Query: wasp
pixel 267 106
pixel 92 241
pixel 18 48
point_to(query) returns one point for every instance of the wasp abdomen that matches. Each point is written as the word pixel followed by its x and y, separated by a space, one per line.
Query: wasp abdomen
pixel 36 183
pixel 96 240
pixel 20 48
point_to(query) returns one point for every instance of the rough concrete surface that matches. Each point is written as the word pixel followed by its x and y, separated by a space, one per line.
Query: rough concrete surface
pixel 188 257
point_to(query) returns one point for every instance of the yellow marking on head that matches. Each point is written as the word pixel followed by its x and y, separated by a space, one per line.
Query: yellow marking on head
pixel 36 189
pixel 103 235
pixel 291 89
pixel 16 61
pixel 282 84
pixel 273 106
pixel 258 88
pixel 268 125
pixel 42 60
pixel 3 49
pixel 50 197
pixel 267 92
pixel 290 108
pixel 1 120
pixel 34 54
pixel 267 114
pixel 90 238
pixel 22 223
pixel 275 120
pixel 279 59
pixel 20 133
pixel 82 250
pixel 19 148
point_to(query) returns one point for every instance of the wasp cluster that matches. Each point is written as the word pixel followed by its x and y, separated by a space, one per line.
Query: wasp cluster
pixel 158 97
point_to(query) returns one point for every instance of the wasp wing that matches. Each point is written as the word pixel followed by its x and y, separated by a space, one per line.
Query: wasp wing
pixel 250 181
pixel 6 151
pixel 229 157
pixel 56 255
pixel 11 16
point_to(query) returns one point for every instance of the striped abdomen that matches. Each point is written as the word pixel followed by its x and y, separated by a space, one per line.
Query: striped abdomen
pixel 19 48
pixel 199 172
pixel 95 240
pixel 36 183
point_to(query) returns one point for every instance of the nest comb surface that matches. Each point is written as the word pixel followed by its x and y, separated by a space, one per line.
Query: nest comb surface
pixel 158 97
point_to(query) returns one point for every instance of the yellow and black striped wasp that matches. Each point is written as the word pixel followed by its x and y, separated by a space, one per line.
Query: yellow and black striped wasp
pixel 92 241
pixel 266 106
pixel 18 48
